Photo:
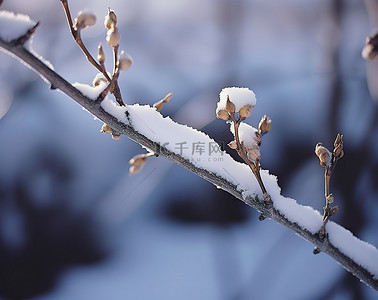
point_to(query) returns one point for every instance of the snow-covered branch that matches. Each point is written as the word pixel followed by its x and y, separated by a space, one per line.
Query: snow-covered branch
pixel 162 136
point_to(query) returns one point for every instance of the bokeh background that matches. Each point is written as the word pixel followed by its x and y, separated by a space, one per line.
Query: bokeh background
pixel 74 225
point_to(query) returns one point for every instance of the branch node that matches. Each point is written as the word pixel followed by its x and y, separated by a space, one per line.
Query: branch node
pixel 316 250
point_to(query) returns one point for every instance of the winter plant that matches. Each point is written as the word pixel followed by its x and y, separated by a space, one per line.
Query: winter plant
pixel 246 181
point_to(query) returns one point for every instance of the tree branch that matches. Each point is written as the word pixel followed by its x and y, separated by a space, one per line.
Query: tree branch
pixel 277 212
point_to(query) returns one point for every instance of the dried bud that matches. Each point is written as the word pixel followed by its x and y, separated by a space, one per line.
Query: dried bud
pixel 113 37
pixel 245 111
pixel 338 145
pixel 99 78
pixel 106 129
pixel 116 136
pixel 125 60
pixel 85 19
pixel 138 160
pixel 133 170
pixel 254 153
pixel 333 211
pixel 324 155
pixel 330 198
pixel 110 19
pixel 159 105
pixel 101 54
pixel 265 125
pixel 223 114
pixel 233 145
pixel 230 107
pixel 370 51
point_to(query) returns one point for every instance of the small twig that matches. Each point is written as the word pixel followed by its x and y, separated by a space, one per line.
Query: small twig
pixel 254 166
pixel 23 39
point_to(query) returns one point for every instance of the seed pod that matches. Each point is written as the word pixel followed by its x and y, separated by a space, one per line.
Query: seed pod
pixel 324 155
pixel 113 37
pixel 338 146
pixel 110 19
pixel 223 115
pixel 245 111
pixel 106 129
pixel 230 107
pixel 101 54
pixel 233 145
pixel 124 61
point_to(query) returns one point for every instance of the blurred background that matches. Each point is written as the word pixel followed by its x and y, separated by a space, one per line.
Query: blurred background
pixel 75 225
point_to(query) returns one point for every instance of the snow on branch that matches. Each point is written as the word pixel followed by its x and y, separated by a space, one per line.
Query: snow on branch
pixel 164 137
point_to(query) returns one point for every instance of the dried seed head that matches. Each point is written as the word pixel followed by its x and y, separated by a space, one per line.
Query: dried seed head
pixel 101 54
pixel 245 111
pixel 113 37
pixel 324 155
pixel 159 105
pixel 230 107
pixel 223 114
pixel 85 19
pixel 233 145
pixel 254 153
pixel 124 61
pixel 116 136
pixel 106 129
pixel 110 19
pixel 265 125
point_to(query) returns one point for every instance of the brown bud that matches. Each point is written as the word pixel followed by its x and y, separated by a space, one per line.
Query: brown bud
pixel 254 153
pixel 106 129
pixel 138 160
pixel 116 136
pixel 125 60
pixel 324 155
pixel 133 170
pixel 110 19
pixel 159 105
pixel 245 111
pixel 338 151
pixel 230 107
pixel 233 145
pixel 265 125
pixel 113 37
pixel 223 114
pixel 330 198
pixel 333 210
pixel 99 78
pixel 370 51
pixel 101 54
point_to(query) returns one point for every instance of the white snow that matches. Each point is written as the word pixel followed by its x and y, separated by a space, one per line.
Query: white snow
pixel 247 134
pixel 92 92
pixel 365 254
pixel 239 96
pixel 197 146
pixel 13 26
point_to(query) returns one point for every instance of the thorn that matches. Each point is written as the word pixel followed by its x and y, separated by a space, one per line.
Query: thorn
pixel 23 39
pixel 53 87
